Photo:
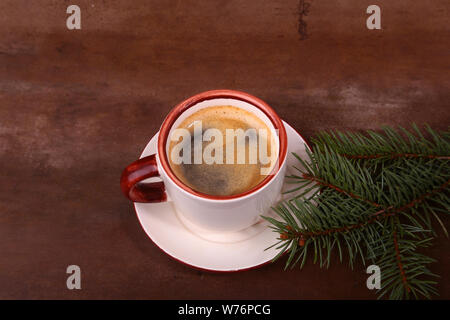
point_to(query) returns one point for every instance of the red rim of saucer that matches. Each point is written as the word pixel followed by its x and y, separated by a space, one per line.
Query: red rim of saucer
pixel 216 94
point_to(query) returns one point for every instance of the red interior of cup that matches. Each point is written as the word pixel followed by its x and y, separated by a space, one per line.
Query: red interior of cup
pixel 215 94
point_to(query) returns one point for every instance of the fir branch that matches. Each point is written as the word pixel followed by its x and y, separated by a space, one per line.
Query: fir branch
pixel 373 197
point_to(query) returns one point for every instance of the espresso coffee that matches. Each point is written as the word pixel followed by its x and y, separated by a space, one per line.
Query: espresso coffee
pixel 222 150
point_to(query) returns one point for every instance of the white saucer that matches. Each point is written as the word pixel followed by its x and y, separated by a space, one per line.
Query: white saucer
pixel 164 228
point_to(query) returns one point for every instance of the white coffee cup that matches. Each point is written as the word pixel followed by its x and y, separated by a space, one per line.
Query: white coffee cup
pixel 208 212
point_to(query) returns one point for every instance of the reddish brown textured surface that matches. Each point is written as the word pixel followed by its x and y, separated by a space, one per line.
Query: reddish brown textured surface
pixel 77 106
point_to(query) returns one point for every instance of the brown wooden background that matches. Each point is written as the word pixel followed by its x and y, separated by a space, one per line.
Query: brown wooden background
pixel 77 106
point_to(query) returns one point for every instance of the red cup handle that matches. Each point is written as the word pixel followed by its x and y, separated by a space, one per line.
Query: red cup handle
pixel 134 189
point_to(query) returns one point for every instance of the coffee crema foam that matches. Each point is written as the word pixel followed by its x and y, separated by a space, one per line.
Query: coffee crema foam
pixel 223 179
